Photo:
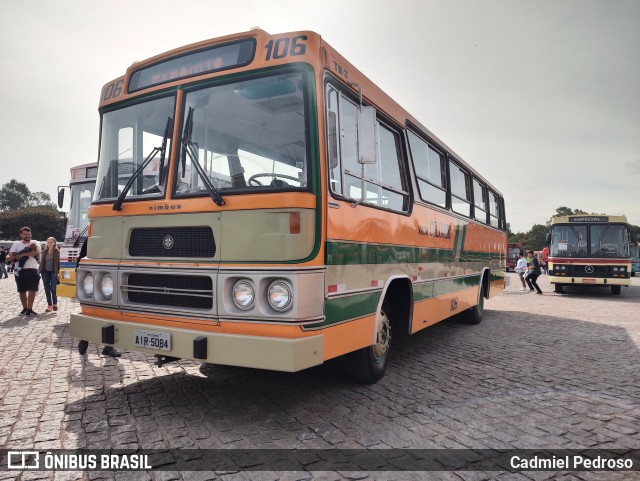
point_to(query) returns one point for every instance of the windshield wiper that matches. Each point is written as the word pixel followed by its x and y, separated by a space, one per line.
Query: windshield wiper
pixel 191 149
pixel 162 150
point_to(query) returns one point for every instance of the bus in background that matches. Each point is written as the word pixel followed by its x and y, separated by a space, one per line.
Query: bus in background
pixel 513 251
pixel 590 250
pixel 81 187
pixel 635 265
pixel 297 213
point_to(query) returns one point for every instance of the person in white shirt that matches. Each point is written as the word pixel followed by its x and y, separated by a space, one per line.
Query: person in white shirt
pixel 28 279
pixel 521 269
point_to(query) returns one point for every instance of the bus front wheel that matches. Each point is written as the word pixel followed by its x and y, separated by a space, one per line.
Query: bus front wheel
pixel 368 365
pixel 558 288
pixel 82 347
pixel 615 290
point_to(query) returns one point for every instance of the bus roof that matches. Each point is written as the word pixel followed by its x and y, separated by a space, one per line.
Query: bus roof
pixel 328 57
pixel 589 219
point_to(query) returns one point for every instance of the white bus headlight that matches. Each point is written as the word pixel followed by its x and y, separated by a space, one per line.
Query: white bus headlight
pixel 87 284
pixel 66 274
pixel 106 286
pixel 279 296
pixel 243 294
pixel 615 269
pixel 622 269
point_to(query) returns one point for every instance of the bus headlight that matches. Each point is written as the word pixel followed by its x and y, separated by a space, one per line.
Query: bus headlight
pixel 615 269
pixel 243 294
pixel 66 274
pixel 622 269
pixel 106 286
pixel 87 284
pixel 279 296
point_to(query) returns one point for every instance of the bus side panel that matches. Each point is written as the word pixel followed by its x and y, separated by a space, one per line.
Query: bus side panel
pixel 430 311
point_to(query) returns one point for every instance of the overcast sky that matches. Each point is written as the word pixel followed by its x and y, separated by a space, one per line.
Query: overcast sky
pixel 541 97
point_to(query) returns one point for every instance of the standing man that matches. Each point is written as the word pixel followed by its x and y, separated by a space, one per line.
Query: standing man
pixel 29 279
pixel 521 269
pixel 3 265
pixel 534 273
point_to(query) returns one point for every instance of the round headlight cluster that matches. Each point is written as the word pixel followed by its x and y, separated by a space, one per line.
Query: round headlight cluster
pixel 243 294
pixel 66 274
pixel 106 286
pixel 562 268
pixel 279 296
pixel 87 284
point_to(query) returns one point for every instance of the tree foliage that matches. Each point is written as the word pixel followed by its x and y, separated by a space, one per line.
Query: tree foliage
pixel 20 207
pixel 44 222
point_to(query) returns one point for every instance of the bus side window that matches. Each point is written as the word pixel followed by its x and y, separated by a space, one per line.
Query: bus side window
pixel 460 190
pixel 386 184
pixel 494 212
pixel 430 171
pixel 480 201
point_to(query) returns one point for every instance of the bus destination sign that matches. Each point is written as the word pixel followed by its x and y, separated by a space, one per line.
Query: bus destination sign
pixel 220 57
pixel 590 218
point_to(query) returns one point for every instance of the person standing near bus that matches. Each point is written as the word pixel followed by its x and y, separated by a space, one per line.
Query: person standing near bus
pixel 29 279
pixel 521 269
pixel 3 265
pixel 49 269
pixel 534 273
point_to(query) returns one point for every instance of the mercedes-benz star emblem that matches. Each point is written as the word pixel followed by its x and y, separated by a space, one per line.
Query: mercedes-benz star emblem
pixel 167 242
pixel 589 269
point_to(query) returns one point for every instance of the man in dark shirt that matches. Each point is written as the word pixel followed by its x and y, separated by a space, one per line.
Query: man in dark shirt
pixel 534 273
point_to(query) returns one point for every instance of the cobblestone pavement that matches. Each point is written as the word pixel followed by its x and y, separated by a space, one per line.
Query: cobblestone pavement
pixel 552 371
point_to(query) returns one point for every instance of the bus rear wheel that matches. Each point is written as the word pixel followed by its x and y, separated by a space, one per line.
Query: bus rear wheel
pixel 615 290
pixel 558 288
pixel 473 315
pixel 368 365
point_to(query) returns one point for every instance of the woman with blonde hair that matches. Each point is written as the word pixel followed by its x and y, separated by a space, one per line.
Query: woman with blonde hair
pixel 49 269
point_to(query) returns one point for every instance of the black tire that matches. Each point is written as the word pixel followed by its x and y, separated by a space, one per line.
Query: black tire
pixel 82 347
pixel 368 365
pixel 633 274
pixel 474 314
pixel 615 290
pixel 558 288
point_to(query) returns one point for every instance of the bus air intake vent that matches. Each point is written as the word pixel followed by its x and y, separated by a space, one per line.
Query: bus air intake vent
pixel 194 292
pixel 194 242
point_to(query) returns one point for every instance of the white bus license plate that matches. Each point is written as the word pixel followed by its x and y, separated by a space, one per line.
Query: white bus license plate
pixel 152 339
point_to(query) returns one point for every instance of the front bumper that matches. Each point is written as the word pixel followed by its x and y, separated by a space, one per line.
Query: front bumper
pixel 278 354
pixel 589 281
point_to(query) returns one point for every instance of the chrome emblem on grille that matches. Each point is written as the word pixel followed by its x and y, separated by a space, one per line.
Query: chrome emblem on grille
pixel 167 242
pixel 589 269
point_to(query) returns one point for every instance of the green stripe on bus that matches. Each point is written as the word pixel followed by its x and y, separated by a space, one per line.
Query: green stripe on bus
pixel 339 309
pixel 354 253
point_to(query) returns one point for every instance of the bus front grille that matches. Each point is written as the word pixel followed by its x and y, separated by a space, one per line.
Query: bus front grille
pixel 194 242
pixel 193 292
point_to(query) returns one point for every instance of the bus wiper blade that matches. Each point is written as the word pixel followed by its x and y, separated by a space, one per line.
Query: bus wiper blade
pixel 118 203
pixel 191 149
pixel 80 236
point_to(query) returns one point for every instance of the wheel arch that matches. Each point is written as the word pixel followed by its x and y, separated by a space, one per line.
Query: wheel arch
pixel 398 288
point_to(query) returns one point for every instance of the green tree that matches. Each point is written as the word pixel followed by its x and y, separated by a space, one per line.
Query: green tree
pixel 536 238
pixel 14 195
pixel 44 222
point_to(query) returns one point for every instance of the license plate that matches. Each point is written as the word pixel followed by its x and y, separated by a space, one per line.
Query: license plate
pixel 152 339
pixel 588 281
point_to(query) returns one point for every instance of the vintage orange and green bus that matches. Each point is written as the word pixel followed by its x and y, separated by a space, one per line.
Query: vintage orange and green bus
pixel 297 214
pixel 590 250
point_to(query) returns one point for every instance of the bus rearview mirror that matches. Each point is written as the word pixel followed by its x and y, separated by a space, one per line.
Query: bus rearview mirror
pixel 332 137
pixel 367 135
pixel 61 195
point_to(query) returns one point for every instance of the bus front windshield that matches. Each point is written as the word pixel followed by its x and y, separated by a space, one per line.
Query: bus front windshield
pixel 609 241
pixel 246 135
pixel 81 195
pixel 604 240
pixel 129 137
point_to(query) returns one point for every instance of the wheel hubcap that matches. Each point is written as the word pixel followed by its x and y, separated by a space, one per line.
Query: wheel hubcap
pixel 383 339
